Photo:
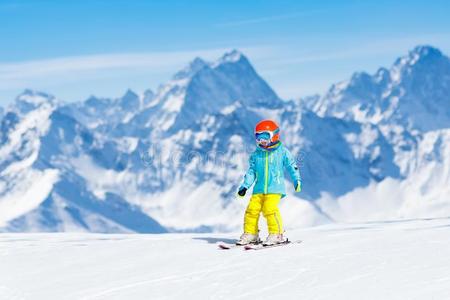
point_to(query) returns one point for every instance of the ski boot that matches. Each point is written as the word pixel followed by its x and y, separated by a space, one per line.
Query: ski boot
pixel 274 238
pixel 248 238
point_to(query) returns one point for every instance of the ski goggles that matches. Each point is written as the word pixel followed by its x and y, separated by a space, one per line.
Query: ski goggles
pixel 264 137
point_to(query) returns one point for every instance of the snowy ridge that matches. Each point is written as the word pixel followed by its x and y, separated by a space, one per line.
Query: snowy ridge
pixel 40 189
pixel 22 188
pixel 413 93
pixel 422 194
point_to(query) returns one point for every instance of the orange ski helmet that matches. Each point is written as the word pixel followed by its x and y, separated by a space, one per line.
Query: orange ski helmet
pixel 267 133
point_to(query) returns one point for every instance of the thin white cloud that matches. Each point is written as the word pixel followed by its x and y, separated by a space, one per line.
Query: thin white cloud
pixel 373 48
pixel 264 19
pixel 24 74
pixel 31 69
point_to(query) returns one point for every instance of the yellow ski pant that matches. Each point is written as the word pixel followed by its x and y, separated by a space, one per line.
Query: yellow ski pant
pixel 268 205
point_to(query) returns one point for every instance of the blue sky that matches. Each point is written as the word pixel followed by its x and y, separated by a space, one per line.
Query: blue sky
pixel 73 49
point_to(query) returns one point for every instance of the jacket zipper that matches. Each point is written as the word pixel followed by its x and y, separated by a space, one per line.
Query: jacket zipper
pixel 266 173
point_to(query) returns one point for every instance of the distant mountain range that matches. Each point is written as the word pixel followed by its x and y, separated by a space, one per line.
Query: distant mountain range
pixel 373 147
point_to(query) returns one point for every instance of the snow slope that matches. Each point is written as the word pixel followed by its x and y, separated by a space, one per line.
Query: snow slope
pixel 385 260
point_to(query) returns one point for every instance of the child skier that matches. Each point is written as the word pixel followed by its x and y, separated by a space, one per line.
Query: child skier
pixel 266 170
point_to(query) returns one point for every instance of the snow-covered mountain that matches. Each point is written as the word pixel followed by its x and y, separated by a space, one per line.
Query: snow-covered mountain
pixel 171 160
pixel 405 102
pixel 413 93
pixel 410 105
pixel 40 187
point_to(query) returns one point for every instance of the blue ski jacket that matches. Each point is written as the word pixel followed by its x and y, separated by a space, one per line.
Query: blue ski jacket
pixel 266 170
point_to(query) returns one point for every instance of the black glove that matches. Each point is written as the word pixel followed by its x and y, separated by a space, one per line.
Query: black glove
pixel 242 191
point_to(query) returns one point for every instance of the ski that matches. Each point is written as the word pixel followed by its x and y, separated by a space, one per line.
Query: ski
pixel 261 246
pixel 224 246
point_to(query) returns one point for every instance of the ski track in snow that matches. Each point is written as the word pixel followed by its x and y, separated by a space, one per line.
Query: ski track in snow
pixel 202 273
pixel 380 260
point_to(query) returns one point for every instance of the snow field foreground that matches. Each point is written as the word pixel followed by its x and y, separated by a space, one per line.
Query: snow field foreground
pixel 383 260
